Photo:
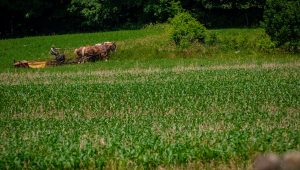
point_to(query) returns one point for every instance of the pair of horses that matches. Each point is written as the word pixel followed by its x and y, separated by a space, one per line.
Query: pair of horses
pixel 95 52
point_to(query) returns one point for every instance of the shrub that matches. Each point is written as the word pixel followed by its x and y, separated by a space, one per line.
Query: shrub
pixel 264 43
pixel 186 30
pixel 281 22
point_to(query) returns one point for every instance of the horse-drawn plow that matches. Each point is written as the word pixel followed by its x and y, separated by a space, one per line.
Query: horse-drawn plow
pixel 91 53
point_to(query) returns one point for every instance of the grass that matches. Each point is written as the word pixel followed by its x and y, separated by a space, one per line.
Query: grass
pixel 146 48
pixel 150 106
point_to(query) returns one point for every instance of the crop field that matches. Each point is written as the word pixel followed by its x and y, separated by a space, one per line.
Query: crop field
pixel 151 105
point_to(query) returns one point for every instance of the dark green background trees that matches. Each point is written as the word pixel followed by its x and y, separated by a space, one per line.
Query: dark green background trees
pixel 282 22
pixel 31 17
pixel 35 17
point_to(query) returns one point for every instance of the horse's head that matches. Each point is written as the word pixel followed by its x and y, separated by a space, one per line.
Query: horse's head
pixel 111 46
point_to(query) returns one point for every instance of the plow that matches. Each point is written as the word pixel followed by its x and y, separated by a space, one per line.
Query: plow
pixel 84 54
pixel 59 59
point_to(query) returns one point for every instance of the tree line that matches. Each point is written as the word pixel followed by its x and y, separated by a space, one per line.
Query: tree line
pixel 39 17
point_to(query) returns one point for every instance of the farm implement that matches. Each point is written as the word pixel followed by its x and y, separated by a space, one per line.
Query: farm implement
pixel 84 54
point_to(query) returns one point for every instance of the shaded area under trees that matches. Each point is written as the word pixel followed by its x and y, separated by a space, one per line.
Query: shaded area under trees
pixel 38 17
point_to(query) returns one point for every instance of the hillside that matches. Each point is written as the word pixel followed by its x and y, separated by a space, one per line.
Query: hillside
pixel 152 105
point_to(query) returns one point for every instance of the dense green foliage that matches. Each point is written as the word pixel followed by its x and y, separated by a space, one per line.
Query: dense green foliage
pixel 147 117
pixel 95 13
pixel 150 105
pixel 186 30
pixel 282 22
pixel 32 17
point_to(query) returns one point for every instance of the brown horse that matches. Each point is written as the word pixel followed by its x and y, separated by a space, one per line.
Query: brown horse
pixel 95 52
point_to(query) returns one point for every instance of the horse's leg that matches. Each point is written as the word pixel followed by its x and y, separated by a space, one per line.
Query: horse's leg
pixel 104 56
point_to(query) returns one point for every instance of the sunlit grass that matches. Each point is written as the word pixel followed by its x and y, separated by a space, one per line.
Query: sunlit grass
pixel 149 117
pixel 151 106
pixel 149 47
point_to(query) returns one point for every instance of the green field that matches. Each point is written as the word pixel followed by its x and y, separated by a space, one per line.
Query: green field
pixel 151 105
